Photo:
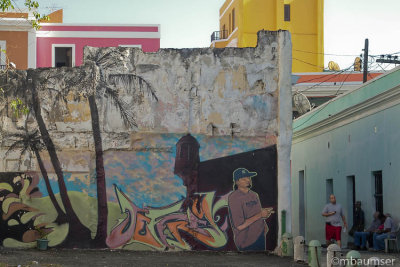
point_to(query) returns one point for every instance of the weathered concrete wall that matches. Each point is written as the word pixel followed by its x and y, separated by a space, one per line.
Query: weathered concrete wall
pixel 232 101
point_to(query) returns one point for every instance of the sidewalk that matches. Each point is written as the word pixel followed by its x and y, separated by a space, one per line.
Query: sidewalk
pixel 365 255
pixel 84 258
pixel 58 257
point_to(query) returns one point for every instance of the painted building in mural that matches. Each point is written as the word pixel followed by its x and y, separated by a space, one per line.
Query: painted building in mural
pixel 240 20
pixel 147 151
pixel 58 44
pixel 348 147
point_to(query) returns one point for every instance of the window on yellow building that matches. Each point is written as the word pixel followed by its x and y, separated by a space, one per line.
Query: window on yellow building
pixel 230 23
pixel 223 34
pixel 233 20
pixel 287 12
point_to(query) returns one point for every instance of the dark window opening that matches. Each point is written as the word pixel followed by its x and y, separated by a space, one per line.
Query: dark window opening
pixel 224 35
pixel 302 204
pixel 287 12
pixel 378 191
pixel 63 56
pixel 230 23
pixel 233 19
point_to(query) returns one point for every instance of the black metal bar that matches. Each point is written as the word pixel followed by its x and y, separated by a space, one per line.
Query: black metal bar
pixel 219 35
pixel 390 61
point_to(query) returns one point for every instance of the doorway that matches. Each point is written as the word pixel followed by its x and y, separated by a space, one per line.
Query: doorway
pixel 351 198
pixel 377 176
pixel 302 205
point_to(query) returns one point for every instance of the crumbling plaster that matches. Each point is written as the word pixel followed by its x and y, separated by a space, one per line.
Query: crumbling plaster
pixel 241 92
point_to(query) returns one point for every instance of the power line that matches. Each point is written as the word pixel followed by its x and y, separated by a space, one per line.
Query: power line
pixel 327 104
pixel 342 83
pixel 316 78
pixel 295 33
pixel 305 62
pixel 326 54
pixel 312 116
pixel 335 75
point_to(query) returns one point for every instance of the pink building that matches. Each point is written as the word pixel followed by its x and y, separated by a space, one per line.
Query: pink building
pixel 59 44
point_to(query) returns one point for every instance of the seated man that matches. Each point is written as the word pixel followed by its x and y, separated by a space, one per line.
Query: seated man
pixel 388 229
pixel 358 220
pixel 360 238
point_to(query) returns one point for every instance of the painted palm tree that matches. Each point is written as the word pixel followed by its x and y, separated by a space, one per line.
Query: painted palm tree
pixel 78 234
pixel 110 88
pixel 31 141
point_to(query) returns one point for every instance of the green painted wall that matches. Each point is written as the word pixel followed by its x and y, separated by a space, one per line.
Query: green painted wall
pixel 359 148
pixel 367 91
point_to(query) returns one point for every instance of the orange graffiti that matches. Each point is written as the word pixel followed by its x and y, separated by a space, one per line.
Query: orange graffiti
pixel 184 226
pixel 149 226
pixel 142 232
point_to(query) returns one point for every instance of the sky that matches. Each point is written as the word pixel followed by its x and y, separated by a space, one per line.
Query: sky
pixel 189 23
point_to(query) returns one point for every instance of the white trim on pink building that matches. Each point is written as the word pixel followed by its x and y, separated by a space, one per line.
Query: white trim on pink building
pixel 53 35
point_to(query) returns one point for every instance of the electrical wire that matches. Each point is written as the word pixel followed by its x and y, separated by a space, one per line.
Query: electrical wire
pixel 327 104
pixel 305 62
pixel 22 20
pixel 342 83
pixel 326 54
pixel 328 78
pixel 316 78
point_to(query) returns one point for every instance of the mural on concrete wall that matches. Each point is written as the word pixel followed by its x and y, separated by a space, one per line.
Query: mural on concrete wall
pixel 101 160
pixel 190 215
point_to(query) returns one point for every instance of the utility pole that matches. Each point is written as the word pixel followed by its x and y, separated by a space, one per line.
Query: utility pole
pixel 365 61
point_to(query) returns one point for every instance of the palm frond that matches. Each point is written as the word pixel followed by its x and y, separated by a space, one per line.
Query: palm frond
pixel 125 110
pixel 14 146
pixel 25 141
pixel 21 154
pixel 133 82
pixel 106 60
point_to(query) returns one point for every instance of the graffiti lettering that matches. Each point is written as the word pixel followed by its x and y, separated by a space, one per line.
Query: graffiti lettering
pixel 162 227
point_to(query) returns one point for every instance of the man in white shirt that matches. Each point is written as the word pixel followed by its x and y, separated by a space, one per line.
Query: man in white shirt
pixel 333 213
pixel 387 232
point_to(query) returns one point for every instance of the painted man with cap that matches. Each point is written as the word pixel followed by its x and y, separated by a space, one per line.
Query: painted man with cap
pixel 246 214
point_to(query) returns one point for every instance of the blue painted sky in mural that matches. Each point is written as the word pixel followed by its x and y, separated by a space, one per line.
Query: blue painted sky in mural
pixel 147 176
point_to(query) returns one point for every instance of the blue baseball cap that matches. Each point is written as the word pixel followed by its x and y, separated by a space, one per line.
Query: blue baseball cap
pixel 242 173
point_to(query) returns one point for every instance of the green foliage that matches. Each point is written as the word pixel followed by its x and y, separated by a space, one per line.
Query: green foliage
pixel 18 107
pixel 38 17
pixel 43 234
pixel 7 5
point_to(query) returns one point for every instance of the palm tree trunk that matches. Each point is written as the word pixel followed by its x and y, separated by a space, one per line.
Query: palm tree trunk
pixel 78 235
pixel 102 209
pixel 61 217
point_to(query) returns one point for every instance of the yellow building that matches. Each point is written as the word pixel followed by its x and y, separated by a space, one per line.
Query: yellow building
pixel 240 20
